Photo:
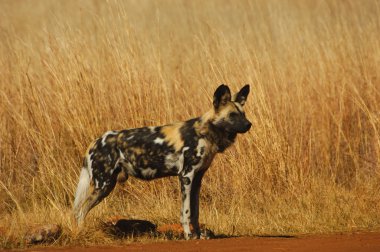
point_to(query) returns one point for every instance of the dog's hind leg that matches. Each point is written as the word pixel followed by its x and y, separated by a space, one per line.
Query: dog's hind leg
pixel 94 197
pixel 95 183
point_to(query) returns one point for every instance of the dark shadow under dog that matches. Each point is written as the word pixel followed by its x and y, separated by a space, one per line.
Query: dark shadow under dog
pixel 124 228
pixel 121 228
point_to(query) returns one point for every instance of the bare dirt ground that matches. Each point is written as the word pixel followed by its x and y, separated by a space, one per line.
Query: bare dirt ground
pixel 341 242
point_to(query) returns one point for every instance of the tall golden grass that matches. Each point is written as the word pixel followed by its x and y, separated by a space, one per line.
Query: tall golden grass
pixel 70 70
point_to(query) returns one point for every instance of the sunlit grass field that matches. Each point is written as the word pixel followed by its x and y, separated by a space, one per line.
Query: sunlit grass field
pixel 71 70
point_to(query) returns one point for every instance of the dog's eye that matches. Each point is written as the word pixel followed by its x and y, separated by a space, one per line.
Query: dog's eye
pixel 233 115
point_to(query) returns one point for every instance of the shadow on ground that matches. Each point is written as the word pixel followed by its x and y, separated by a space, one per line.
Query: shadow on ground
pixel 120 228
pixel 123 228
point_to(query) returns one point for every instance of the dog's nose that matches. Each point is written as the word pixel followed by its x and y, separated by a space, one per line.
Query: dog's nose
pixel 248 125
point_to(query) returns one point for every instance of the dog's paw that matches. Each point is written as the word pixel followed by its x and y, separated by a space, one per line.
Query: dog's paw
pixel 188 236
pixel 207 234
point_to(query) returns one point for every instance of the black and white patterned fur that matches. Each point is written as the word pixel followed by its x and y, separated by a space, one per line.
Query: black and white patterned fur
pixel 184 149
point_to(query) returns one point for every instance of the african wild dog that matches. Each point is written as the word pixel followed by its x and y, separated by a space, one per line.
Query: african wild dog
pixel 183 149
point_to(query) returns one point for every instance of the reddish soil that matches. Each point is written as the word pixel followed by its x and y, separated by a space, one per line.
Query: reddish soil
pixel 346 242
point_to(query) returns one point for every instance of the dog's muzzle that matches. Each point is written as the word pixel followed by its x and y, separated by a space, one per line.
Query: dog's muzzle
pixel 245 127
pixel 248 126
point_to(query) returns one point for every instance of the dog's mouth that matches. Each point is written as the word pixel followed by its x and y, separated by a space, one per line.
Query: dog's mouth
pixel 243 131
pixel 231 135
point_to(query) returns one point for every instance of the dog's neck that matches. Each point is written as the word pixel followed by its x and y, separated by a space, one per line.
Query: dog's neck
pixel 218 137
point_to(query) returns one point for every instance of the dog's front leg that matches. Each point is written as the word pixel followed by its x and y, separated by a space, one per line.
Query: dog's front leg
pixel 194 202
pixel 186 181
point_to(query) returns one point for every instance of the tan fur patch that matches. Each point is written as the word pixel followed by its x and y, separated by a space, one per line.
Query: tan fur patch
pixel 137 150
pixel 240 107
pixel 173 135
pixel 208 116
pixel 90 147
pixel 121 177
pixel 111 139
pixel 202 126
pixel 224 111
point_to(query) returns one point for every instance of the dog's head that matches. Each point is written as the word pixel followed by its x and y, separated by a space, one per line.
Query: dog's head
pixel 229 112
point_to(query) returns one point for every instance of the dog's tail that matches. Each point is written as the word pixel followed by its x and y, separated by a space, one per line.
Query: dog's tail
pixel 81 193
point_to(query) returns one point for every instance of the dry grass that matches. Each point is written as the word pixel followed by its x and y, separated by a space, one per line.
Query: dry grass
pixel 71 70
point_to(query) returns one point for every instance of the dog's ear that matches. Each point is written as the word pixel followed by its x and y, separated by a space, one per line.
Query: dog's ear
pixel 241 96
pixel 222 95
